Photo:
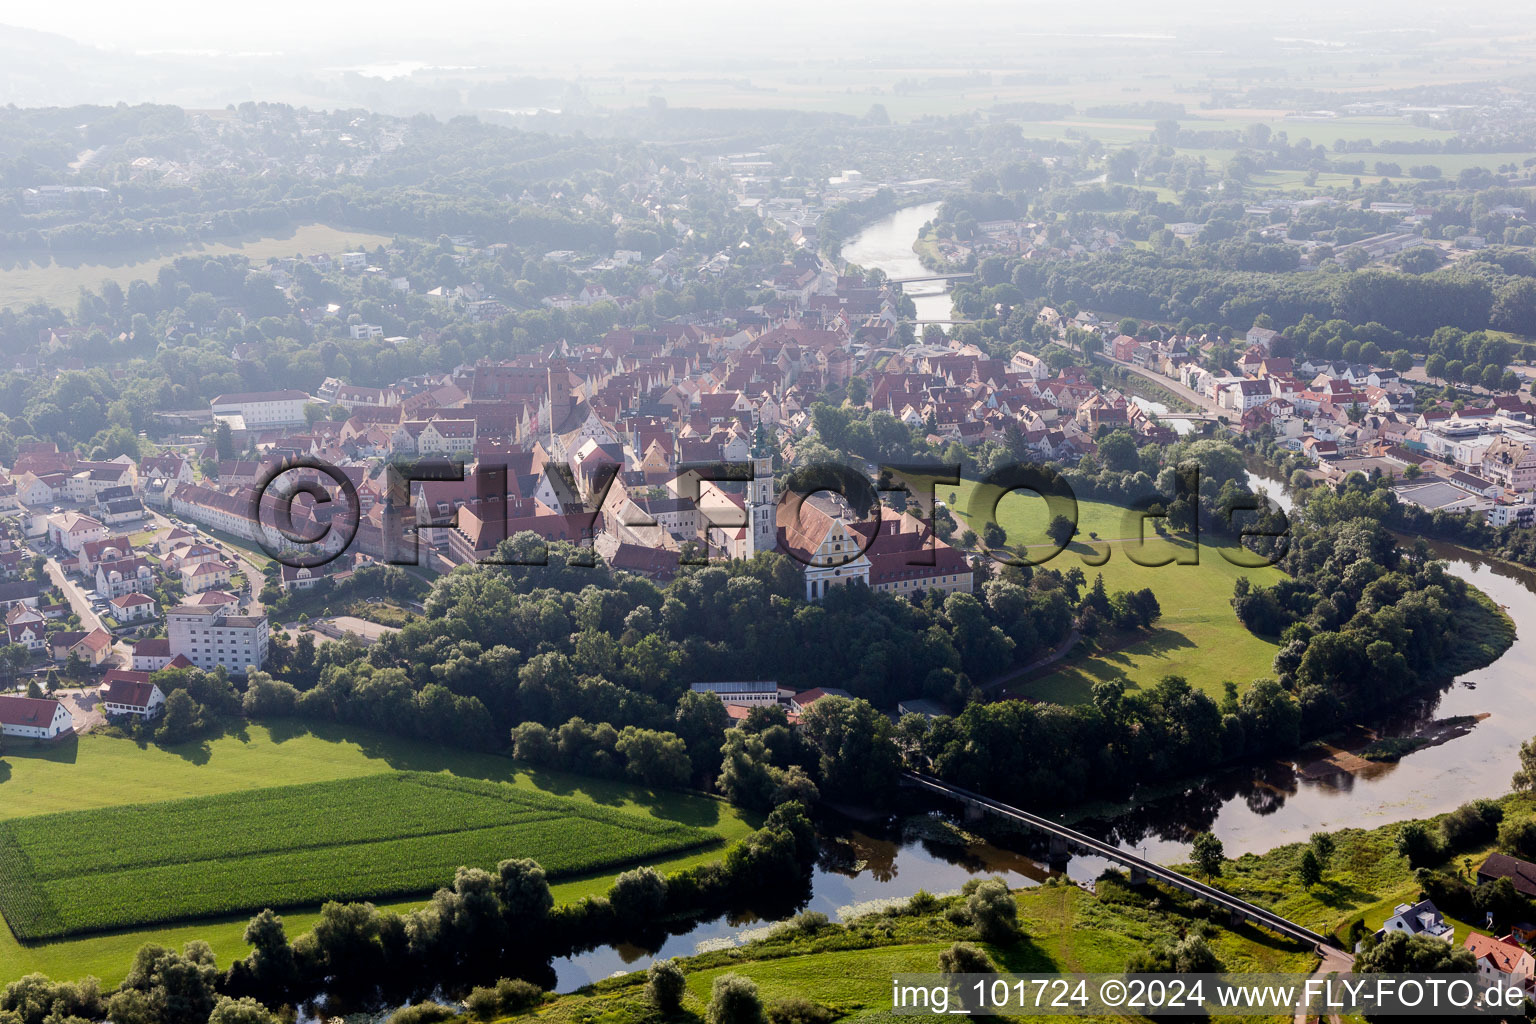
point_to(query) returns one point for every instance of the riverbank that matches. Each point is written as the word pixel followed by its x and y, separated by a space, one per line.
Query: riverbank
pixel 828 971
pixel 1366 876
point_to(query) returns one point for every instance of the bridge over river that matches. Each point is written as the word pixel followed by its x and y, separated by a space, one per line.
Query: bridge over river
pixel 1065 841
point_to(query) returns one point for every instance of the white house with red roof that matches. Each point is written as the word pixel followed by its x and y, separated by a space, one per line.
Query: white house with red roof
pixel 132 607
pixel 72 531
pixel 124 576
pixel 151 654
pixel 1502 961
pixel 222 602
pixel 205 576
pixel 130 693
pixel 34 718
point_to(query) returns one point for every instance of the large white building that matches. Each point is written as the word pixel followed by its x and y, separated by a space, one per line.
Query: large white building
pixel 33 718
pixel 210 640
pixel 258 409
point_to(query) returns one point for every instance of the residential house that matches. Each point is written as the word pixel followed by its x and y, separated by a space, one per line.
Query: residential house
pixel 1421 918
pixel 133 607
pixel 1502 961
pixel 130 693
pixel 201 576
pixel 34 718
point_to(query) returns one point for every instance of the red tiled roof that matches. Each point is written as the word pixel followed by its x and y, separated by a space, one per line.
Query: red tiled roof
pixel 28 711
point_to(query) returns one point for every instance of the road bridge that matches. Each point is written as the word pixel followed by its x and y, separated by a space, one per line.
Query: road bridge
pixel 956 276
pixel 1065 841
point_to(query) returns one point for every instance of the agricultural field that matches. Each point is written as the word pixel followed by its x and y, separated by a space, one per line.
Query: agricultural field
pixel 58 278
pixel 378 836
pixel 1197 616
pixel 105 772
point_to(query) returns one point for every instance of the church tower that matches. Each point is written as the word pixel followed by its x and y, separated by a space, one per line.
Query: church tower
pixel 763 508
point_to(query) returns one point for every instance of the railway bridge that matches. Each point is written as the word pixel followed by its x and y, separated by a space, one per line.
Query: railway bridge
pixel 1066 841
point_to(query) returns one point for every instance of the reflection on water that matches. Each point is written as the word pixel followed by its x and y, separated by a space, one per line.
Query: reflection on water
pixel 886 245
pixel 856 866
pixel 1255 809
pixel 1252 809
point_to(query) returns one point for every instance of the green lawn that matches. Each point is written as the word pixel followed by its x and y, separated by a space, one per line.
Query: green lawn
pixel 97 771
pixel 1198 636
pixel 58 278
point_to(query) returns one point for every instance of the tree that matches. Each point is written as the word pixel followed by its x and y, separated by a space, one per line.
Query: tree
pixel 666 985
pixel 33 690
pixel 1061 530
pixel 638 896
pixel 1434 366
pixel 1417 843
pixel 523 891
pixel 1308 869
pixel 994 535
pixel 701 720
pixel 1524 779
pixel 855 745
pixel 181 721
pixel 654 758
pixel 1117 450
pixel 1400 953
pixel 1207 854
pixel 1322 847
pixel 734 1000
pixel 224 441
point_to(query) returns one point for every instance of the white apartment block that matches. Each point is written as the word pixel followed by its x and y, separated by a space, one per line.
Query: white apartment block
pixel 263 408
pixel 210 640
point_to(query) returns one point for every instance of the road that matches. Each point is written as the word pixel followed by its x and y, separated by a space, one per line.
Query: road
pixel 79 601
pixel 80 604
pixel 231 553
pixel 1194 398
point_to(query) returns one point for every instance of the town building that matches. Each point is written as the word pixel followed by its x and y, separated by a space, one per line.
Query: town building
pixel 34 718
pixel 210 640
pixel 130 693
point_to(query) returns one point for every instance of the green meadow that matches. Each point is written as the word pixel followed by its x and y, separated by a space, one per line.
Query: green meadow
pixel 848 969
pixel 1197 637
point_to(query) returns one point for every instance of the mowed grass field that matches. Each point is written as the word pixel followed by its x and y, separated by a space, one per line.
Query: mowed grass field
pixel 57 278
pixel 103 772
pixel 1197 637
pixel 381 835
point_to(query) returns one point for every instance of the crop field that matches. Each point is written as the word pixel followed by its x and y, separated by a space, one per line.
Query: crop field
pixel 1197 616
pixel 381 835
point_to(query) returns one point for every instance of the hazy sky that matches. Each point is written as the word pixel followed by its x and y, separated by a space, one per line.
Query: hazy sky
pixel 537 33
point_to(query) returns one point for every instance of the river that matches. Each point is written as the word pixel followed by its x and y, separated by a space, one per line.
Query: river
pixel 887 245
pixel 1251 809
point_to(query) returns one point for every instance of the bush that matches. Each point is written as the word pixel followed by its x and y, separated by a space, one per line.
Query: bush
pixel 993 913
pixel 665 985
pixel 422 1013
pixel 517 995
pixel 734 1000
pixel 483 1004
pixel 965 958
pixel 797 1010
pixel 807 922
